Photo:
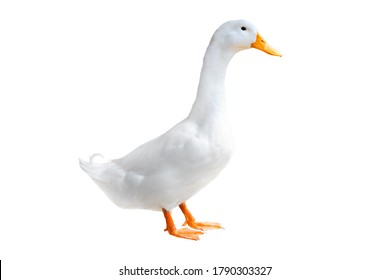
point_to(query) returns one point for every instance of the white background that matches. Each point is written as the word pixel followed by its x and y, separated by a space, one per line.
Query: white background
pixel 306 191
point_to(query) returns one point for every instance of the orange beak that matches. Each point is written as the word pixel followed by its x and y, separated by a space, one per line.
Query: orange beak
pixel 262 45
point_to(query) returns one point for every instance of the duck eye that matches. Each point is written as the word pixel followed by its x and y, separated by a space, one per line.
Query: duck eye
pixel 243 28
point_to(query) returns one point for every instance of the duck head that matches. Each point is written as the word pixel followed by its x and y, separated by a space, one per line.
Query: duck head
pixel 241 35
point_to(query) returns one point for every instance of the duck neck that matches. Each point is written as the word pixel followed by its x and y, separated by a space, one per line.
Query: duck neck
pixel 210 102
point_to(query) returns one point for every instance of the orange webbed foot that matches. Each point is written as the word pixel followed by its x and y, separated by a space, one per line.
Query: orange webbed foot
pixel 190 220
pixel 181 233
pixel 186 233
pixel 202 225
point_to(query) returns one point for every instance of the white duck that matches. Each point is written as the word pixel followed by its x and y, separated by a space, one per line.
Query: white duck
pixel 165 172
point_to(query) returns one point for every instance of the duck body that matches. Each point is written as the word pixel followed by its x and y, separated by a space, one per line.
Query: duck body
pixel 168 170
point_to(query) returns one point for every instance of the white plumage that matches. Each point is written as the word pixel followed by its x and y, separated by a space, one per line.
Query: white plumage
pixel 165 172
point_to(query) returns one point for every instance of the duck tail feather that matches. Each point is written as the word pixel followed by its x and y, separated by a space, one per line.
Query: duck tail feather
pixel 92 167
pixel 92 158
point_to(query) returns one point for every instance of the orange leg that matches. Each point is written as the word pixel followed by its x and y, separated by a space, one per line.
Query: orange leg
pixel 183 232
pixel 190 220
